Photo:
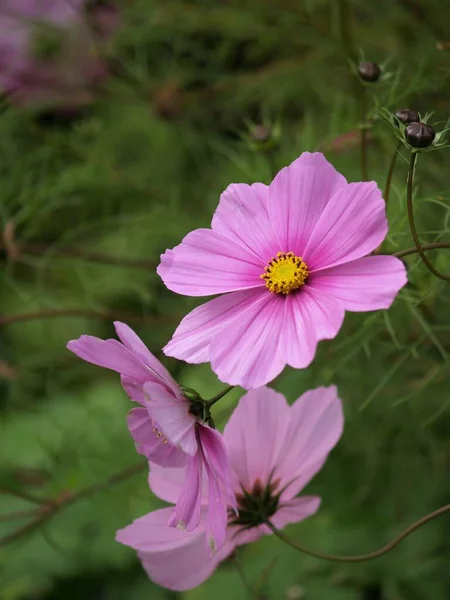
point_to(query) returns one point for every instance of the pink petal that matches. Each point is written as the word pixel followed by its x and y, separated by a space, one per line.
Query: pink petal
pixel 242 216
pixel 310 316
pixel 109 354
pixel 167 483
pixel 139 349
pixel 255 433
pixel 352 224
pixel 165 264
pixel 186 514
pixel 295 510
pixel 134 390
pixel 247 352
pixel 173 417
pixel 191 340
pixel 298 196
pixel 207 263
pixel 174 559
pixel 315 426
pixel 220 489
pixel 149 444
pixel 369 283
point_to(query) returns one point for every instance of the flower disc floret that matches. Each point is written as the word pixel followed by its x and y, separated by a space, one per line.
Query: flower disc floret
pixel 285 273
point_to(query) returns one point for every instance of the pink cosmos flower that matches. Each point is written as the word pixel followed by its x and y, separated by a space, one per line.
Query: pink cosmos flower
pixel 166 429
pixel 274 450
pixel 290 259
pixel 49 54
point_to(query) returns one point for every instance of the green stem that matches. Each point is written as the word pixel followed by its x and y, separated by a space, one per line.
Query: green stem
pixel 412 224
pixel 242 575
pixel 364 170
pixel 344 21
pixel 434 246
pixel 220 395
pixel 387 187
pixel 363 557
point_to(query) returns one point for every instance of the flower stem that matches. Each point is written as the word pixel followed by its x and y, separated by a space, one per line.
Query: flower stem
pixel 387 187
pixel 434 246
pixel 220 395
pixel 344 22
pixel 242 575
pixel 412 224
pixel 363 557
pixel 364 170
pixel 47 509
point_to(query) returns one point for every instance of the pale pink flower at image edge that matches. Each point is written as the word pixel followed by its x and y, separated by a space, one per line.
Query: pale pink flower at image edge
pixel 64 81
pixel 268 443
pixel 165 431
pixel 324 229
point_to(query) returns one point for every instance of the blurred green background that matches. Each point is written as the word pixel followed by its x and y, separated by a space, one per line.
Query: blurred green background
pixel 126 178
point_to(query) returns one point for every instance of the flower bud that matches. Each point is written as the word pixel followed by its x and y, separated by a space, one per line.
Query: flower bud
pixel 419 135
pixel 260 133
pixel 369 71
pixel 405 115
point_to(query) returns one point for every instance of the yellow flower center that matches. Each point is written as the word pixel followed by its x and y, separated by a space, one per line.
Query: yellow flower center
pixel 285 273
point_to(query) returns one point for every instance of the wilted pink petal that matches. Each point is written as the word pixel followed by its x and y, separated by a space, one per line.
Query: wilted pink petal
pixel 148 382
pixel 172 415
pixel 220 488
pixel 285 255
pixel 151 443
pixel 109 354
pixel 186 514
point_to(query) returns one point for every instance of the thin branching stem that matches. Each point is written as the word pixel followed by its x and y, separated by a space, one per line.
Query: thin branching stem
pixel 363 557
pixel 17 250
pixel 433 246
pixel 22 495
pixel 412 225
pixel 49 508
pixel 109 315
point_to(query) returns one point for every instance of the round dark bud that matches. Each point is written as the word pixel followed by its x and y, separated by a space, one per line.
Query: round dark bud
pixel 260 133
pixel 407 116
pixel 419 135
pixel 369 71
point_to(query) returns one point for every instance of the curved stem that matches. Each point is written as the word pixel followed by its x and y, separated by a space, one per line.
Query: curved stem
pixel 387 187
pixel 363 557
pixel 433 246
pixel 412 224
pixel 220 395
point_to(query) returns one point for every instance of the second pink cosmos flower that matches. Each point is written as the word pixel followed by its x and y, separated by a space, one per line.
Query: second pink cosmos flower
pixel 290 259
pixel 166 430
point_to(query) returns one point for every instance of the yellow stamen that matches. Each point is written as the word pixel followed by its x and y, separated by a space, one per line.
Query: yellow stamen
pixel 285 273
pixel 159 434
